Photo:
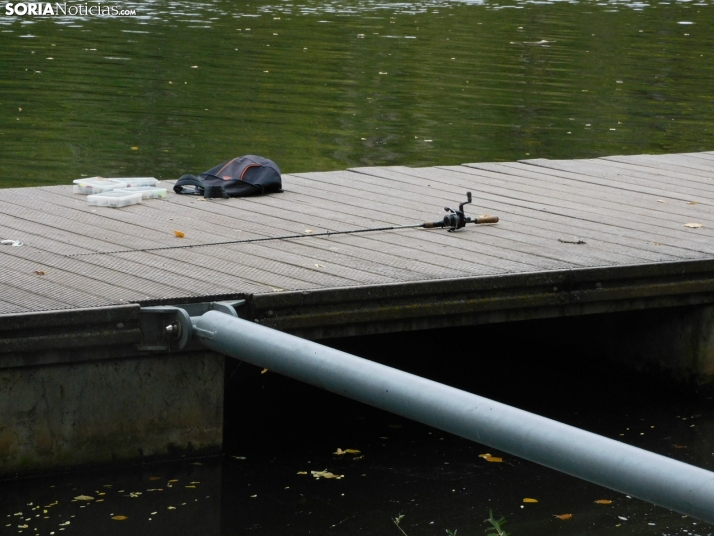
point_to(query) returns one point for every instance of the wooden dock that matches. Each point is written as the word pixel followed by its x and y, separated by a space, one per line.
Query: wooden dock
pixel 607 229
pixel 575 237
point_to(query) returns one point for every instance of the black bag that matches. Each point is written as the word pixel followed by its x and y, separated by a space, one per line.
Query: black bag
pixel 239 177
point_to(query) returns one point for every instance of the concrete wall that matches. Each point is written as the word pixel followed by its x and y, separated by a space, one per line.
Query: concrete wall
pixel 102 411
pixel 677 342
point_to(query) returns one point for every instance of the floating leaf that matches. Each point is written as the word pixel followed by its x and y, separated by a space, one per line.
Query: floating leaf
pixel 119 518
pixel 264 371
pixel 622 517
pixel 490 458
pixel 192 487
pixel 171 508
pixel 693 225
pixel 340 452
pixel 325 474
pixel 83 498
pixel 680 446
pixel 302 472
pixel 604 501
pixel 179 234
pixel 527 500
pixel 134 148
pixel 154 478
pixel 564 516
pixel 173 480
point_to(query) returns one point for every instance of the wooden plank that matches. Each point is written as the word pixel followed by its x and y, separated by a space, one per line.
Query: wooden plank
pixel 668 162
pixel 639 181
pixel 592 213
pixel 667 178
pixel 12 308
pixel 535 230
pixel 704 156
pixel 608 189
pixel 548 220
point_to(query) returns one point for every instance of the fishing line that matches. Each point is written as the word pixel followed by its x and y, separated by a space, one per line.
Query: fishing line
pixel 454 220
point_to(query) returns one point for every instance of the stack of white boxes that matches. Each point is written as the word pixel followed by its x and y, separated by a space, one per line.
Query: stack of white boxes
pixel 116 193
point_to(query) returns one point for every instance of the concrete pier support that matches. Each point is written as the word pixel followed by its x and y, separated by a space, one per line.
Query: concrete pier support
pixel 107 410
pixel 675 344
pixel 678 342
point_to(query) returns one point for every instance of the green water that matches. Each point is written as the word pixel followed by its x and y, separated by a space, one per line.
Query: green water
pixel 324 85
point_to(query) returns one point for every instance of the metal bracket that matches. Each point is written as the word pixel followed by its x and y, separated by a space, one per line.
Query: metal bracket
pixel 168 328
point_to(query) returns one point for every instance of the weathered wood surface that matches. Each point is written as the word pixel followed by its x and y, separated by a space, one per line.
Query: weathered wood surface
pixel 629 210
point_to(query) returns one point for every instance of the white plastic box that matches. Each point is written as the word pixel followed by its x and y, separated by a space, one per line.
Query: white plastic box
pixel 96 185
pixel 147 192
pixel 114 199
pixel 135 182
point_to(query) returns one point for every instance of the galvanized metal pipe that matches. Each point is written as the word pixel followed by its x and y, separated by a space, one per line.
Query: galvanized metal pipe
pixel 615 465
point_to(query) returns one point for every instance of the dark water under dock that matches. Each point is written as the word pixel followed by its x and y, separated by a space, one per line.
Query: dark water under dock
pixel 276 428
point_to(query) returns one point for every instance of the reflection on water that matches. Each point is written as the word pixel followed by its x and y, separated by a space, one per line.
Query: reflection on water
pixel 318 85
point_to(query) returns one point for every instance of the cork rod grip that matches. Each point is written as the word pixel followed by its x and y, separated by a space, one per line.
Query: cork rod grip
pixel 487 219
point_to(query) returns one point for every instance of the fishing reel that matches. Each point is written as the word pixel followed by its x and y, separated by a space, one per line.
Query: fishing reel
pixel 456 219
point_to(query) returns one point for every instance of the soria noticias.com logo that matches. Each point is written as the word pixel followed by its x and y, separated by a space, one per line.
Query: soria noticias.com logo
pixel 47 9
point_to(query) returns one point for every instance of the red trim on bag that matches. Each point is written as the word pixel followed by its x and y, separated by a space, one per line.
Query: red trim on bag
pixel 247 168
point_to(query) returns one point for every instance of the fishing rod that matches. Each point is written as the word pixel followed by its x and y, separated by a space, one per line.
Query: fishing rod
pixel 453 220
pixel 456 219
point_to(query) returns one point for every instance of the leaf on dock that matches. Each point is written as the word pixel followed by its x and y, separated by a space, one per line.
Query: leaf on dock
pixel 179 234
pixel 693 225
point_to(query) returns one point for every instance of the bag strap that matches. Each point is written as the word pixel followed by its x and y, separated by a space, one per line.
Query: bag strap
pixel 189 180
pixel 192 185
